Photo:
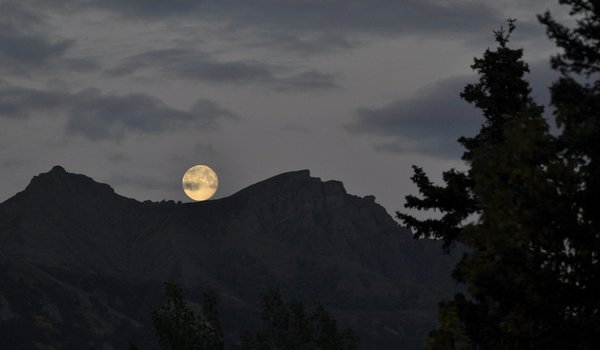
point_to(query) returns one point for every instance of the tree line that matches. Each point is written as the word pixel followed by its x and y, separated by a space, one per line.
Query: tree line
pixel 286 325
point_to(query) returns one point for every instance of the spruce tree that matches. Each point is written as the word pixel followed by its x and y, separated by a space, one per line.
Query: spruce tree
pixel 531 266
pixel 576 98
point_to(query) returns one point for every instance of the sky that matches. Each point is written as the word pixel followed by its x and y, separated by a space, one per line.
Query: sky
pixel 133 93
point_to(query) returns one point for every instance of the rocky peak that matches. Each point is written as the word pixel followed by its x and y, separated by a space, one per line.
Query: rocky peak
pixel 58 183
pixel 57 169
pixel 280 182
pixel 293 183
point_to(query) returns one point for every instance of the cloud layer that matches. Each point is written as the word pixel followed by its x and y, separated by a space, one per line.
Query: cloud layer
pixel 312 27
pixel 430 122
pixel 342 16
pixel 433 119
pixel 26 48
pixel 194 65
pixel 98 116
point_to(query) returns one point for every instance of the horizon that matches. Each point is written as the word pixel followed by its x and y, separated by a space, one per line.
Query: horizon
pixel 60 168
pixel 136 95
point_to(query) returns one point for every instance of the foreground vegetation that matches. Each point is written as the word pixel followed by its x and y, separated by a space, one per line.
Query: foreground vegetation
pixel 532 271
pixel 286 325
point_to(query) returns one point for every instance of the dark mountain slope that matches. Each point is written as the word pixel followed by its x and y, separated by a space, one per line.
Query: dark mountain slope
pixel 82 266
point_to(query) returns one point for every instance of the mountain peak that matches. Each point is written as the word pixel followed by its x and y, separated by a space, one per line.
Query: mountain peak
pixel 58 183
pixel 288 182
pixel 57 169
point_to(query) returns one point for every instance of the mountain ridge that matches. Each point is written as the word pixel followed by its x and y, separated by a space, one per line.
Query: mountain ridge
pixel 311 239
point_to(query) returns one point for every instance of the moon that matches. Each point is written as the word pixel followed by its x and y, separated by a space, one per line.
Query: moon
pixel 200 182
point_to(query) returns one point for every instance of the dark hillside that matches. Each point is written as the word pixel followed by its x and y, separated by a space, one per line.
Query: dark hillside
pixel 82 266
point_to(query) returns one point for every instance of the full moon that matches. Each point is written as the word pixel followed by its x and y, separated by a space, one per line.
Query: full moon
pixel 200 182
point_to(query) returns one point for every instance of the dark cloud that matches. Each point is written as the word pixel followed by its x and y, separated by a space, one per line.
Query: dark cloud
pixel 16 17
pixel 429 123
pixel 95 115
pixel 28 54
pixel 194 65
pixel 376 16
pixel 151 9
pixel 98 116
pixel 26 48
pixel 200 66
pixel 30 49
pixel 311 27
pixel 432 121
pixel 18 102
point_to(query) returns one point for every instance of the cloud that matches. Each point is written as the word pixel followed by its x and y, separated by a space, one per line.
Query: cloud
pixel 435 117
pixel 99 116
pixel 306 81
pixel 429 123
pixel 16 16
pixel 376 16
pixel 150 9
pixel 313 27
pixel 200 66
pixel 18 102
pixel 95 115
pixel 30 49
pixel 192 64
pixel 26 48
pixel 307 44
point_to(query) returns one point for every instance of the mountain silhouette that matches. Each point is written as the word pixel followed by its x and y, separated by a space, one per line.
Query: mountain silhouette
pixel 82 267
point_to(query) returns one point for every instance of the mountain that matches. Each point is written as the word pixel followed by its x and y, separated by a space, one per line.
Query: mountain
pixel 81 266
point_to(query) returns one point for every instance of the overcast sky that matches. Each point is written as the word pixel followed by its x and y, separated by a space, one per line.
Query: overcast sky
pixel 134 92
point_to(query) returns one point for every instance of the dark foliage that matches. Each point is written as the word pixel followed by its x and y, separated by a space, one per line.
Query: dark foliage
pixel 532 267
pixel 288 326
pixel 178 327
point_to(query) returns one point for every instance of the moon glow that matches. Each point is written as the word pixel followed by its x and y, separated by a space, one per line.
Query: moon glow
pixel 200 182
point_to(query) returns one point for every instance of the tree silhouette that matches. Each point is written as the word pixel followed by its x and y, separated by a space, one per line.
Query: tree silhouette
pixel 178 327
pixel 531 267
pixel 287 326
pixel 576 98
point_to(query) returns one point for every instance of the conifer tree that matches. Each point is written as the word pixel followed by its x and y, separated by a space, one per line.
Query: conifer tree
pixel 531 267
pixel 287 326
pixel 576 98
pixel 178 327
